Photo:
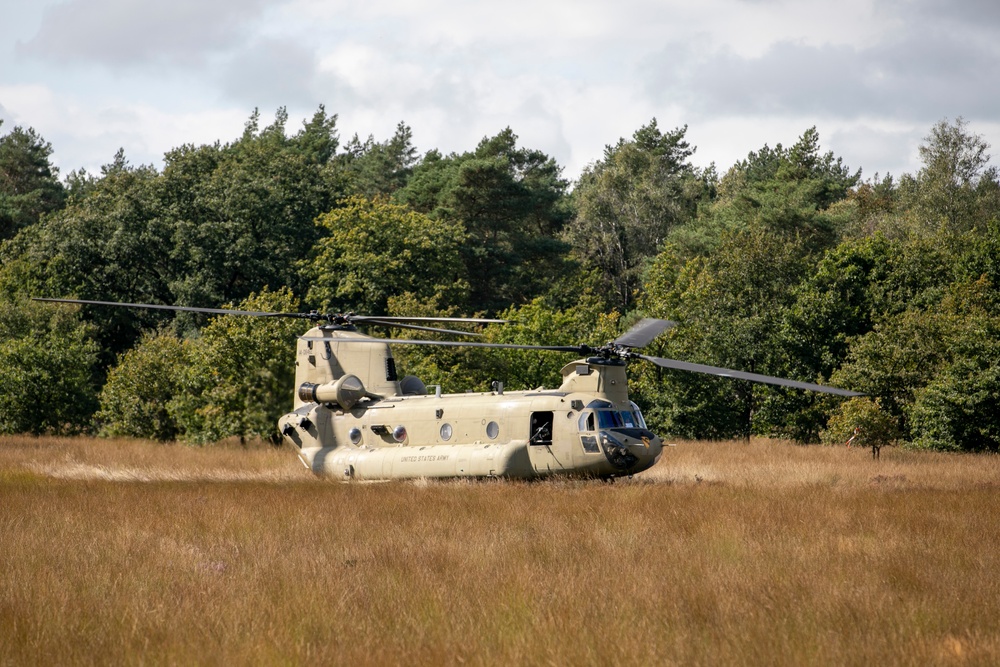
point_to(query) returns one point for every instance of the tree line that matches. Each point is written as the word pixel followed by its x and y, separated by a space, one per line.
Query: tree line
pixel 788 264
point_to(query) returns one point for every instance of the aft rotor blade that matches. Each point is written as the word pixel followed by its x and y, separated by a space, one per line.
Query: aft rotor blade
pixel 314 316
pixel 644 332
pixel 741 375
pixel 400 325
pixel 186 309
pixel 579 349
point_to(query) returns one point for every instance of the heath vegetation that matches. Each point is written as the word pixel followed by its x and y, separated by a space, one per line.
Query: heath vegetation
pixel 126 552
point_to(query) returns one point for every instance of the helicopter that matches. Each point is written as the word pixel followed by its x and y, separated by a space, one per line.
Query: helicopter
pixel 354 418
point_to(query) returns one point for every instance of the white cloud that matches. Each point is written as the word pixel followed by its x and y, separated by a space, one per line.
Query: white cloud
pixel 84 136
pixel 868 143
pixel 270 73
pixel 567 76
pixel 126 33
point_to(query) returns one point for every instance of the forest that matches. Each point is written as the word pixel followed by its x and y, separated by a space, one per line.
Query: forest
pixel 788 263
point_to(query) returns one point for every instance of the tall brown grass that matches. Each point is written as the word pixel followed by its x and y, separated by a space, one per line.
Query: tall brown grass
pixel 767 553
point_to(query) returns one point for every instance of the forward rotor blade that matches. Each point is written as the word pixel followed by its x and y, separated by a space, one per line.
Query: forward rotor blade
pixel 398 318
pixel 454 343
pixel 741 375
pixel 644 332
pixel 400 325
pixel 186 309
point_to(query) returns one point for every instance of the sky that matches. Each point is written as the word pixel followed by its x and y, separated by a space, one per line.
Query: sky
pixel 569 78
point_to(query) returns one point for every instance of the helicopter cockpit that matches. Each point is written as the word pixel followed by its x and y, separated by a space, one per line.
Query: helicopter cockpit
pixel 604 427
pixel 600 415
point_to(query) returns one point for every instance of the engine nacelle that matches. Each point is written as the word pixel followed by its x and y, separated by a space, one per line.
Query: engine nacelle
pixel 345 392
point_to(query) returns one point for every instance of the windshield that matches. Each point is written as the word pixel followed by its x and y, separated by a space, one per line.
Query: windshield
pixel 606 419
pixel 638 415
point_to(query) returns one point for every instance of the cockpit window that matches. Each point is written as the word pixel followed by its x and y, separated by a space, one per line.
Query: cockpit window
pixel 620 419
pixel 609 418
pixel 640 421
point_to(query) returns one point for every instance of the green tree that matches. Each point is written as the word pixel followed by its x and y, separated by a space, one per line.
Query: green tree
pixel 374 249
pixel 219 223
pixel 959 410
pixel 374 168
pixel 835 303
pixel 111 244
pixel 135 398
pixel 241 373
pixel 896 358
pixel 863 419
pixel 915 298
pixel 975 259
pixel 628 202
pixel 245 211
pixel 791 192
pixel 317 141
pixel 730 308
pixel 511 202
pixel 29 183
pixel 859 284
pixel 48 367
pixel 931 369
pixel 955 190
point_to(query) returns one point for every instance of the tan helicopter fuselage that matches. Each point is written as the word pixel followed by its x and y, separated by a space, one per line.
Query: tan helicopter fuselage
pixel 353 419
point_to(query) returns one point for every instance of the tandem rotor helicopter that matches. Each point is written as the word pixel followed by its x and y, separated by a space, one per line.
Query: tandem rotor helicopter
pixel 353 418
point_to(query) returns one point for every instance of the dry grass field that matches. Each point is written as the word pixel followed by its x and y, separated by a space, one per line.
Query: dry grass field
pixel 124 552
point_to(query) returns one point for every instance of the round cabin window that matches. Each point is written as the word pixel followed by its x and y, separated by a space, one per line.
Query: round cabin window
pixel 446 431
pixel 493 430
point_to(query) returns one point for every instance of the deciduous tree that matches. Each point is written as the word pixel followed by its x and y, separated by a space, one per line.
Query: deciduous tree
pixel 374 249
pixel 48 369
pixel 140 387
pixel 241 373
pixel 628 202
pixel 730 307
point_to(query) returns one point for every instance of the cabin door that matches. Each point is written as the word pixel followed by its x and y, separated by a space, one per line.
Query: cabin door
pixel 541 444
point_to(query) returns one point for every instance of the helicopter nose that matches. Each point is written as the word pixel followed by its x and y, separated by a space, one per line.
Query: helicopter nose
pixel 647 448
pixel 634 449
